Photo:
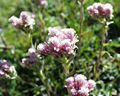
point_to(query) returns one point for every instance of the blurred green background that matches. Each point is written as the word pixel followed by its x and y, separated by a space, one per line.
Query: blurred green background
pixel 14 44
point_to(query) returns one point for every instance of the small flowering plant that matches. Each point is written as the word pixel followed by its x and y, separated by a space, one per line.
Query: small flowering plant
pixel 64 45
pixel 78 85
pixel 103 13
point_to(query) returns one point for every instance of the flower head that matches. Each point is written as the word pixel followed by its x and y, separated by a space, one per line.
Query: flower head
pixel 79 85
pixel 91 84
pixel 60 41
pixel 26 19
pixel 31 59
pixel 101 10
pixel 7 71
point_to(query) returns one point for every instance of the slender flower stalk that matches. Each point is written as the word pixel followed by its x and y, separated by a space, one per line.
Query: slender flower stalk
pixel 81 18
pixel 46 84
pixel 30 36
pixel 102 42
pixel 81 24
pixel 66 63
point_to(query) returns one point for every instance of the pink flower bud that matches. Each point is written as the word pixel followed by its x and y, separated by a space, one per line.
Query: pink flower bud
pixel 31 59
pixel 91 84
pixel 7 71
pixel 2 73
pixel 16 22
pixel 73 92
pixel 70 81
pixel 108 10
pixel 31 50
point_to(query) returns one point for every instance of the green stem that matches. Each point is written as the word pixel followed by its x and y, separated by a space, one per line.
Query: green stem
pixel 102 41
pixel 42 76
pixel 66 63
pixel 44 81
pixel 26 82
pixel 30 37
pixel 81 18
pixel 81 26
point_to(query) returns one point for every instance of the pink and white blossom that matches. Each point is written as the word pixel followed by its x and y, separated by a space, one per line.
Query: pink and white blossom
pixel 31 59
pixel 91 84
pixel 16 22
pixel 78 85
pixel 6 70
pixel 60 41
pixel 101 10
pixel 26 19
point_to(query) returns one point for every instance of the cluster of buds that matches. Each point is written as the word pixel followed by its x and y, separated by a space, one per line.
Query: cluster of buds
pixel 26 19
pixel 60 41
pixel 31 59
pixel 79 85
pixel 43 2
pixel 7 71
pixel 101 10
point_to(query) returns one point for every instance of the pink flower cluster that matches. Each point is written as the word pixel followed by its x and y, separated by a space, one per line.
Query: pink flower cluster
pixel 7 71
pixel 4 67
pixel 60 41
pixel 79 85
pixel 26 19
pixel 101 10
pixel 31 59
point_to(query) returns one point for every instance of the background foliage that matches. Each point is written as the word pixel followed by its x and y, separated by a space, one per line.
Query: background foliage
pixel 14 44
